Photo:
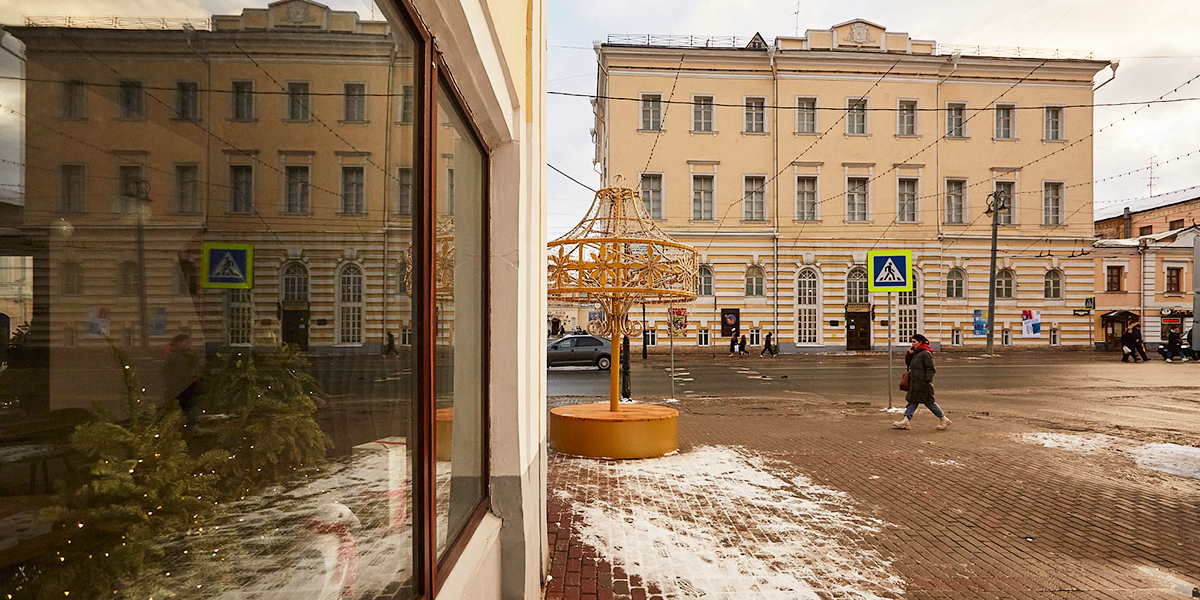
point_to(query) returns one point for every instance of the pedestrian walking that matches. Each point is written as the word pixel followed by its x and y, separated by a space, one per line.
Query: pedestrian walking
pixel 920 383
pixel 1175 345
pixel 1139 346
pixel 768 346
pixel 742 347
pixel 733 342
pixel 181 378
pixel 1128 346
pixel 391 345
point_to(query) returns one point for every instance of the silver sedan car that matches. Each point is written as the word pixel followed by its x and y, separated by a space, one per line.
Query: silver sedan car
pixel 579 350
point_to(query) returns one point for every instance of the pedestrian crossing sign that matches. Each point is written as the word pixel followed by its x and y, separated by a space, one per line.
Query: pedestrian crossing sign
pixel 891 271
pixel 228 266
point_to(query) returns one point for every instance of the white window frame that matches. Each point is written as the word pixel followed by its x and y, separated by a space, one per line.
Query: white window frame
pixel 187 100
pixel 808 314
pixel 131 99
pixel 297 191
pixel 652 202
pixel 754 336
pixel 349 332
pixel 852 105
pixel 754 111
pixel 860 293
pixel 404 191
pixel 704 285
pixel 73 188
pixel 901 116
pixel 651 111
pixel 1010 217
pixel 1011 288
pixel 807 115
pixel 128 203
pixel 239 317
pixel 962 201
pixel 650 336
pixel 851 212
pixel 704 113
pixel 812 194
pixel 247 205
pixel 1051 214
pixel 1059 121
pixel 901 215
pixel 699 203
pixel 354 201
pixel 754 200
pixel 351 103
pixel 74 99
pixel 1005 126
pixel 956 338
pixel 187 192
pixel 241 103
pixel 1053 278
pixel 702 337
pixel 294 282
pixel 962 286
pixel 408 103
pixel 755 282
pixel 1005 337
pixel 299 102
pixel 956 122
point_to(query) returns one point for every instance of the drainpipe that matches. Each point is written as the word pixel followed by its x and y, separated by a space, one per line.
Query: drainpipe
pixel 1143 244
pixel 775 169
pixel 937 166
pixel 387 153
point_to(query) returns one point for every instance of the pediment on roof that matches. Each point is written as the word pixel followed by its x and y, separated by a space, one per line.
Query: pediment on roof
pixel 859 32
pixel 298 13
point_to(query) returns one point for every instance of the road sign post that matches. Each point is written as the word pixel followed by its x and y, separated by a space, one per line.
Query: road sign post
pixel 891 271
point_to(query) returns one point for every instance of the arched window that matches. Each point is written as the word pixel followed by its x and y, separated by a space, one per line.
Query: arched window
pixel 403 275
pixel 127 278
pixel 955 283
pixel 704 281
pixel 856 286
pixel 806 300
pixel 189 279
pixel 1004 283
pixel 906 312
pixel 755 281
pixel 1053 282
pixel 72 279
pixel 350 305
pixel 240 317
pixel 295 282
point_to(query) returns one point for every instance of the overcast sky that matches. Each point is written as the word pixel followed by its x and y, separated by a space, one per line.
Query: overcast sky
pixel 1155 42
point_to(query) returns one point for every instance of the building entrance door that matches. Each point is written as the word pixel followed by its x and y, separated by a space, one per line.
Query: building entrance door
pixel 858 330
pixel 295 328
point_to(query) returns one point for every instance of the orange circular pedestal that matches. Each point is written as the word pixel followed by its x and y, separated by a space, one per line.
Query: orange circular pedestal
pixel 633 431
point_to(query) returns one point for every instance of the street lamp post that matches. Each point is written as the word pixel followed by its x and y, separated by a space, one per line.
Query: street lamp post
pixel 141 191
pixel 997 201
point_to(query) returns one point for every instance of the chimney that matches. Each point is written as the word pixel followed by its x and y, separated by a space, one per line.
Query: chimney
pixel 1127 220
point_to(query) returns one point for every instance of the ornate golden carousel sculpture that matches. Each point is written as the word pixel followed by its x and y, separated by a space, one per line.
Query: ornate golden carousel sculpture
pixel 617 257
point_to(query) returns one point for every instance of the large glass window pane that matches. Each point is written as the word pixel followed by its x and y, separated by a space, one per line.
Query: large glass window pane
pixel 460 285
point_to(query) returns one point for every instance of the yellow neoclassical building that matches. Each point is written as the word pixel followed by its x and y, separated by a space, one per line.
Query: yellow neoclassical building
pixel 785 163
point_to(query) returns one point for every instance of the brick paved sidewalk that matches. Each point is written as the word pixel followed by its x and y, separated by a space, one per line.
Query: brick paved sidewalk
pixel 824 503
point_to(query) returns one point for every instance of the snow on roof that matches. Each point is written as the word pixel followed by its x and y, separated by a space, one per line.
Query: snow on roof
pixel 1181 238
pixel 1110 209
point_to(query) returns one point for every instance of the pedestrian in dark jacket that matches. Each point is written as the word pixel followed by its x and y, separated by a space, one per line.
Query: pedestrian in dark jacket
pixel 733 341
pixel 920 383
pixel 1138 345
pixel 1129 346
pixel 768 346
pixel 1175 345
pixel 742 347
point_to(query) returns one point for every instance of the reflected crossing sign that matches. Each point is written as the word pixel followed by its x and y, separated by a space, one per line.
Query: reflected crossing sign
pixel 229 266
pixel 891 271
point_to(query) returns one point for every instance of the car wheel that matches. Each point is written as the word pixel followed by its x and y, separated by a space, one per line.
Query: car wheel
pixel 604 363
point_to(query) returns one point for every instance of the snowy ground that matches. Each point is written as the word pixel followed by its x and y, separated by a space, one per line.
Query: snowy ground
pixel 1167 458
pixel 783 536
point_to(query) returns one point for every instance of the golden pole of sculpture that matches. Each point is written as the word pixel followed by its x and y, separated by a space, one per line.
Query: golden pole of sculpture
pixel 617 257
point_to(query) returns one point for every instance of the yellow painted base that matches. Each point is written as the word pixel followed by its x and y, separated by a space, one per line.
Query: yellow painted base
pixel 595 431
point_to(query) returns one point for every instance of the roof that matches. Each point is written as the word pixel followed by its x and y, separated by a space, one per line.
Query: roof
pixel 1137 205
pixel 1176 238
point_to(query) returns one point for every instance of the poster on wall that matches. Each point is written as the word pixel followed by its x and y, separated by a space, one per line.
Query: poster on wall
pixel 679 321
pixel 981 318
pixel 730 321
pixel 98 322
pixel 1031 323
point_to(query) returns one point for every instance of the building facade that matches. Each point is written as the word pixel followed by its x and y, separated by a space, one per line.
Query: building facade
pixel 299 177
pixel 785 163
pixel 1148 216
pixel 1145 280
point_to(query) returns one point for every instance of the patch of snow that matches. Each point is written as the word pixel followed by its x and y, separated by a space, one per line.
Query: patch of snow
pixel 19 527
pixel 1170 458
pixel 946 463
pixel 724 523
pixel 1068 441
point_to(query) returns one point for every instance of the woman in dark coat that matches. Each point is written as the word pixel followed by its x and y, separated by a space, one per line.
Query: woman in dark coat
pixel 920 383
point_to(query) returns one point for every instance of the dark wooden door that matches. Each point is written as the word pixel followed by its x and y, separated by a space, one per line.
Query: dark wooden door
pixel 295 328
pixel 858 331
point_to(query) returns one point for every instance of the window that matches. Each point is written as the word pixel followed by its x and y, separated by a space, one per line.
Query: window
pixel 702 198
pixel 754 337
pixel 132 186
pixel 132 100
pixel 955 191
pixel 651 112
pixel 297 93
pixel 1004 284
pixel 856 286
pixel 1004 122
pixel 806 198
pixel 407 104
pixel 241 188
pixel 295 282
pixel 906 201
pixel 243 100
pixel 128 278
pixel 187 100
pixel 955 283
pixel 404 275
pixel 354 102
pixel 189 279
pixel 702 338
pixel 1005 337
pixel 956 337
pixel 702 113
pixel 652 195
pixel 1054 336
pixel 856 117
pixel 704 281
pixel 1114 279
pixel 73 101
pixel 906 314
pixel 754 204
pixel 353 201
pixel 856 199
pixel 72 279
pixel 240 316
pixel 406 336
pixel 1174 274
pixel 187 189
pixel 350 305
pixel 72 199
pixel 1052 130
pixel 756 115
pixel 806 307
pixel 906 118
pixel 404 190
pixel 1176 224
pixel 1053 284
pixel 955 120
pixel 1146 230
pixel 1004 191
pixel 755 281
pixel 650 337
pixel 296 199
pixel 1052 201
pixel 806 115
